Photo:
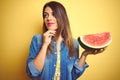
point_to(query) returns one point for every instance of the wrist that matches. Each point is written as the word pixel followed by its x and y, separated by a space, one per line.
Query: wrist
pixel 84 54
pixel 45 46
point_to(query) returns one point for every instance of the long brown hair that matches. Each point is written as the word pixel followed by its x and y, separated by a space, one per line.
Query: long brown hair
pixel 63 25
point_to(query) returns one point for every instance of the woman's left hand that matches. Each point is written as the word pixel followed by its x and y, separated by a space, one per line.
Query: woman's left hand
pixel 92 51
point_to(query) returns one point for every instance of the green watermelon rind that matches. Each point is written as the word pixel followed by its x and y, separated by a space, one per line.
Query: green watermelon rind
pixel 87 46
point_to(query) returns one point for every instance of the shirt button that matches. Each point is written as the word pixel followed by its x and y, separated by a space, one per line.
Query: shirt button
pixel 54 65
pixel 55 52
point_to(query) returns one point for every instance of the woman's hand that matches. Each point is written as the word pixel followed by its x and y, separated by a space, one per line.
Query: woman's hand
pixel 92 51
pixel 47 36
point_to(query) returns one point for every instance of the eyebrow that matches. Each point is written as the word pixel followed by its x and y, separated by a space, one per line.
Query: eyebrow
pixel 47 12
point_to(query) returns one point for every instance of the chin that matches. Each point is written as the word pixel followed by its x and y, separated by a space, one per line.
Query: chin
pixel 51 29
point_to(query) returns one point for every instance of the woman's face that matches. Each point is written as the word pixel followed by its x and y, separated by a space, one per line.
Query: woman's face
pixel 49 19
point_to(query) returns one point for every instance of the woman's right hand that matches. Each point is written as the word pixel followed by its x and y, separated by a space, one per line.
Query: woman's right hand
pixel 47 36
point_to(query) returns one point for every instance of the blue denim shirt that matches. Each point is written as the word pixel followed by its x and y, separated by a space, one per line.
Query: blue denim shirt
pixel 70 69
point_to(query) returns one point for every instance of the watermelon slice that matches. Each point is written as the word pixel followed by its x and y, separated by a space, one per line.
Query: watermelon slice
pixel 95 41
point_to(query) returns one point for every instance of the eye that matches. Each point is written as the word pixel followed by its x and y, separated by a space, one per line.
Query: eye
pixel 45 15
pixel 53 14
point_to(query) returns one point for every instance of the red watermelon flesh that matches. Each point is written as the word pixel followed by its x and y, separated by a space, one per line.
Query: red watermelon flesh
pixel 99 40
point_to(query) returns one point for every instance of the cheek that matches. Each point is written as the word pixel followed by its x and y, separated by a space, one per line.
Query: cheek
pixel 45 22
pixel 55 21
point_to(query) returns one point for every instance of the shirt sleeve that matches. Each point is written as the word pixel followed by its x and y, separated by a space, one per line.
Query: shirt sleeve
pixel 32 71
pixel 77 70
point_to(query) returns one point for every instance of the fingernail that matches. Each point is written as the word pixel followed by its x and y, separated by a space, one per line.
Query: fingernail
pixel 95 51
pixel 101 49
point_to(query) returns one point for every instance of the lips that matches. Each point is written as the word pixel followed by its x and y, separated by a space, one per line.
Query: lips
pixel 50 23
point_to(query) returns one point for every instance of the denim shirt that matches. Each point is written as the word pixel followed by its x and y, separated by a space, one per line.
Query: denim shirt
pixel 70 69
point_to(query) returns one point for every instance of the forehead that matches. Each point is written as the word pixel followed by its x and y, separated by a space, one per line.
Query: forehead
pixel 48 9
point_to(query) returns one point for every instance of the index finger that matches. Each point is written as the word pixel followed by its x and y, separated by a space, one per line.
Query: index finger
pixel 51 31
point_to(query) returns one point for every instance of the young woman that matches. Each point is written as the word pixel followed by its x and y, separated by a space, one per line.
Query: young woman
pixel 54 55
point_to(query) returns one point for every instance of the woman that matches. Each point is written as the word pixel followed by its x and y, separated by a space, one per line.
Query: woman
pixel 54 55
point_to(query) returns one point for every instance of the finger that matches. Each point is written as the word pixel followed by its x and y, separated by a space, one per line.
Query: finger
pixel 98 51
pixel 95 51
pixel 101 50
pixel 50 35
pixel 51 32
pixel 91 51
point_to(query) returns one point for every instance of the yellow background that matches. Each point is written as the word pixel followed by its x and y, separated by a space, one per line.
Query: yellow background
pixel 21 19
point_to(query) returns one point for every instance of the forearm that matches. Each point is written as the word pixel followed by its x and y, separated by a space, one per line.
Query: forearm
pixel 82 59
pixel 40 58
